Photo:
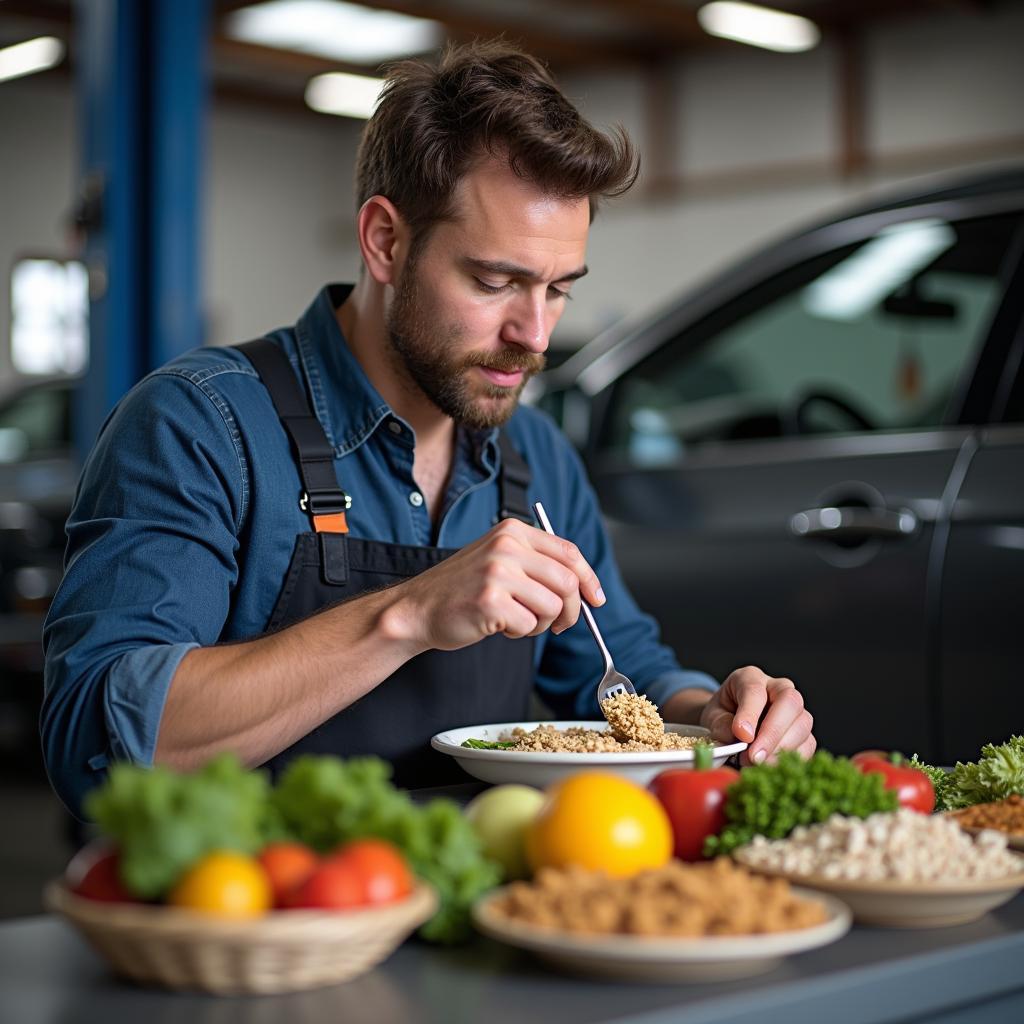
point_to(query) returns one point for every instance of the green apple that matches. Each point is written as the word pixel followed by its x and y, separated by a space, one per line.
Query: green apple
pixel 500 817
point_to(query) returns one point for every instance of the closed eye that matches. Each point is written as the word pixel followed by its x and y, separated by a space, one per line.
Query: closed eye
pixel 490 289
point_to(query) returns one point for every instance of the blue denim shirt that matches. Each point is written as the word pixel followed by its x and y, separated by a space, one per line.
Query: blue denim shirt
pixel 186 515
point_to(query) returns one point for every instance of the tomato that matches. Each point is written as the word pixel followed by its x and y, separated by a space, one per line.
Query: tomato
pixel 694 800
pixel 334 885
pixel 287 866
pixel 913 788
pixel 94 872
pixel 226 884
pixel 380 865
pixel 602 822
pixel 362 872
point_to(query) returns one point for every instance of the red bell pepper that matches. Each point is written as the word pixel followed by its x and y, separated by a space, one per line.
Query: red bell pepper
pixel 694 800
pixel 913 788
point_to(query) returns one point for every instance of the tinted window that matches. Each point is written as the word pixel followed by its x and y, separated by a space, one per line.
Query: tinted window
pixel 873 336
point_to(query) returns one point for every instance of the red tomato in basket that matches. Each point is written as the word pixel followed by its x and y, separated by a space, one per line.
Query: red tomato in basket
pixel 287 865
pixel 332 886
pixel 360 873
pixel 94 872
pixel 384 872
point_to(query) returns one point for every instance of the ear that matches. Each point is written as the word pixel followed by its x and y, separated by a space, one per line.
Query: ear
pixel 383 238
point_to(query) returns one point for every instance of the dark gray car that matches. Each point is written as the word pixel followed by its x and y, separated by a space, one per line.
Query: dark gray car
pixel 816 464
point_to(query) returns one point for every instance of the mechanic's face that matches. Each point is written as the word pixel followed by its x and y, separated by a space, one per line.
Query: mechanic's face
pixel 473 312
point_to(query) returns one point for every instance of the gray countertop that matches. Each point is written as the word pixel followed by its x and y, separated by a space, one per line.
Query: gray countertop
pixel 973 972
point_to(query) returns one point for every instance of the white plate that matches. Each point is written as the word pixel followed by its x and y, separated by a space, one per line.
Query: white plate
pixel 909 904
pixel 629 957
pixel 541 768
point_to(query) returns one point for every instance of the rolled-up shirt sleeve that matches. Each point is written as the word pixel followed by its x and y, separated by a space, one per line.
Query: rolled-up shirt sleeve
pixel 150 566
pixel 570 664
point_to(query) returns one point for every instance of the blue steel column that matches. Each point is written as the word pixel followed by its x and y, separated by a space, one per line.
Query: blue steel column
pixel 178 33
pixel 142 90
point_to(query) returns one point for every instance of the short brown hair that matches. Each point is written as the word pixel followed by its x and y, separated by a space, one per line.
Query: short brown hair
pixel 485 98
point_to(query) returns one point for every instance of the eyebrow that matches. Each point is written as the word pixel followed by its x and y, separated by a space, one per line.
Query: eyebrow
pixel 514 270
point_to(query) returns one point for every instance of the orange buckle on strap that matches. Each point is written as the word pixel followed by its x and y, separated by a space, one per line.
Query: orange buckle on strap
pixel 327 510
pixel 332 522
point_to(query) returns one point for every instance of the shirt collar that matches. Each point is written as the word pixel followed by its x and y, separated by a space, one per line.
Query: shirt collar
pixel 345 401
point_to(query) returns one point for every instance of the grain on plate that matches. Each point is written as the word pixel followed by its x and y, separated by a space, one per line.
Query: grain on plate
pixel 902 846
pixel 1003 815
pixel 580 740
pixel 716 898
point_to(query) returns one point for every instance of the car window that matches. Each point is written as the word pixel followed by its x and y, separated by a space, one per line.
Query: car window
pixel 871 336
pixel 34 423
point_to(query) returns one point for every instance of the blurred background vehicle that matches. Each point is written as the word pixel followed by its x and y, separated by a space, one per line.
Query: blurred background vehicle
pixel 38 472
pixel 815 463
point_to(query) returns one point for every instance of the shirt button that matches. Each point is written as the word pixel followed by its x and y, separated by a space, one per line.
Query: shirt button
pixel 416 499
pixel 395 427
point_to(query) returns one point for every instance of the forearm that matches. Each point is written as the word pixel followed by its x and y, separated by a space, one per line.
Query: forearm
pixel 685 706
pixel 258 697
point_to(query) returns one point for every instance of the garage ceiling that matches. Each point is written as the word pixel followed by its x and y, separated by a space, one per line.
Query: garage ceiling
pixel 569 34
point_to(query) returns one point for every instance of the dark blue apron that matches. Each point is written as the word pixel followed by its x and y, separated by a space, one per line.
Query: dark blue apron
pixel 489 681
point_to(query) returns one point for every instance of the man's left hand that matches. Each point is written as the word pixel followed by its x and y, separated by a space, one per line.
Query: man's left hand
pixel 765 712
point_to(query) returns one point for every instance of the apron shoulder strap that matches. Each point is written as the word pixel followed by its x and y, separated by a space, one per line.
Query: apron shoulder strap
pixel 513 482
pixel 322 499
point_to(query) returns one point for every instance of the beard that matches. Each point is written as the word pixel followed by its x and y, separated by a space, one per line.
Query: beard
pixel 422 347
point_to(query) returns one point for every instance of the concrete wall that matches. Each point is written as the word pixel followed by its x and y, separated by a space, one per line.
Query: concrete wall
pixel 752 148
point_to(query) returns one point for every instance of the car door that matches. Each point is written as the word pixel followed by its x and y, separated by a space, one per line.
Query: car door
pixel 774 471
pixel 978 628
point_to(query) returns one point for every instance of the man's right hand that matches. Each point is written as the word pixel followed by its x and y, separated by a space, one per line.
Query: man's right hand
pixel 516 580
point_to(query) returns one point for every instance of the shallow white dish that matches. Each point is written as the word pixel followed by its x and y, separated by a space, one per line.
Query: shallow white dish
pixel 629 957
pixel 909 904
pixel 541 769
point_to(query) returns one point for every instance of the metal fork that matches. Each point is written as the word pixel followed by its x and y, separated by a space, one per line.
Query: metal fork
pixel 612 682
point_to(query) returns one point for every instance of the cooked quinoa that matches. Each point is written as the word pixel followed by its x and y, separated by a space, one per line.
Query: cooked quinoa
pixel 632 717
pixel 901 846
pixel 578 740
pixel 684 900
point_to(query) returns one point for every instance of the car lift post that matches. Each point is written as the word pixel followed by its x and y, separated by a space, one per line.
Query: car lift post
pixel 142 90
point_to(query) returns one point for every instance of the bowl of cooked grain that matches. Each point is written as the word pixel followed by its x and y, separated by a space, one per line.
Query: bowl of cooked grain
pixel 677 923
pixel 541 753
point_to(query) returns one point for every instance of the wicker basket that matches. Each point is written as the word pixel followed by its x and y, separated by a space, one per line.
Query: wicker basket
pixel 282 952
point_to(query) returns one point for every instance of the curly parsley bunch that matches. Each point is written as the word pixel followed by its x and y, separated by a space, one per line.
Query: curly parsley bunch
pixel 772 799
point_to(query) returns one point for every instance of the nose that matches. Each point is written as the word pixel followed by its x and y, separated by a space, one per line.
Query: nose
pixel 528 321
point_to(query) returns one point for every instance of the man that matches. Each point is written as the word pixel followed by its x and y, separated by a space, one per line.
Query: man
pixel 322 541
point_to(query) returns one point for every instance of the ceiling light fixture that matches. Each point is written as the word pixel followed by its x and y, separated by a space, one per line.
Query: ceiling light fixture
pixel 29 57
pixel 759 26
pixel 343 94
pixel 334 29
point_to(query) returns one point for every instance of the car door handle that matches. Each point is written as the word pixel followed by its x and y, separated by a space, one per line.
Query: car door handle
pixel 853 521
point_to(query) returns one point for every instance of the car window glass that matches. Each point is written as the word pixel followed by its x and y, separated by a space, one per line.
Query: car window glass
pixel 871 336
pixel 34 423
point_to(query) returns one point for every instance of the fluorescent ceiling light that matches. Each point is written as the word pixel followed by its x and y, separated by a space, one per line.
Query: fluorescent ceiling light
pixel 759 26
pixel 857 284
pixel 340 93
pixel 334 29
pixel 31 56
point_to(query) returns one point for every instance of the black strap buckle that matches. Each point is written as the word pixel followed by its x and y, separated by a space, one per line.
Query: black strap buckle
pixel 325 502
